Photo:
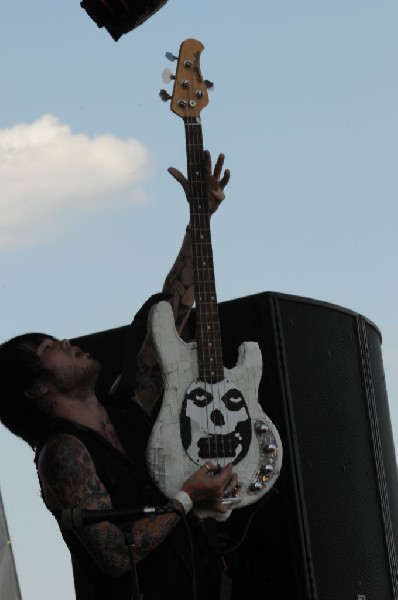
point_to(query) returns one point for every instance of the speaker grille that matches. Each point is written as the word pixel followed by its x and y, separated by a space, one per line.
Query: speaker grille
pixel 339 490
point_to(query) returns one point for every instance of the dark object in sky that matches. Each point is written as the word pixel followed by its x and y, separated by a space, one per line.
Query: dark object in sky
pixel 121 16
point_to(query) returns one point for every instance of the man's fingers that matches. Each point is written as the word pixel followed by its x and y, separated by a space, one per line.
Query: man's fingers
pixel 178 176
pixel 225 475
pixel 219 165
pixel 209 467
pixel 224 181
pixel 231 485
pixel 207 162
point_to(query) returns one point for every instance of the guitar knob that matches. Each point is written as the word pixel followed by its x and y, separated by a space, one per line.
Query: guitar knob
pixel 260 427
pixel 268 448
pixel 209 85
pixel 164 95
pixel 170 56
pixel 255 487
pixel 167 76
pixel 266 469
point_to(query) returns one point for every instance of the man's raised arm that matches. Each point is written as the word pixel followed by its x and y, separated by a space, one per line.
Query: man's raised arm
pixel 179 284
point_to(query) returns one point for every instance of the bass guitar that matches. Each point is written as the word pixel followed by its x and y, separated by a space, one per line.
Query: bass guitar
pixel 208 412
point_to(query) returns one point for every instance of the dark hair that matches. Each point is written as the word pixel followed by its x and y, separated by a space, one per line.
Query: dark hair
pixel 20 369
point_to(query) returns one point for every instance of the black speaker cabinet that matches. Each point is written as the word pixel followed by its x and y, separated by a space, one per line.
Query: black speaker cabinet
pixel 120 16
pixel 330 529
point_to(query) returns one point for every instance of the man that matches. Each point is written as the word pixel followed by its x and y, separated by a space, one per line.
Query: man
pixel 90 457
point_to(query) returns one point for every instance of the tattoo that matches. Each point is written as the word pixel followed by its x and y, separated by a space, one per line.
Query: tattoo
pixel 108 432
pixel 67 472
pixel 149 378
pixel 151 531
pixel 179 284
pixel 69 480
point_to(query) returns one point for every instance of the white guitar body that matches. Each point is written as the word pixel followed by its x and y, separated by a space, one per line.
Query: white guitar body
pixel 198 421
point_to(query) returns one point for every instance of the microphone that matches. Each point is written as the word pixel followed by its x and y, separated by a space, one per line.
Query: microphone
pixel 76 518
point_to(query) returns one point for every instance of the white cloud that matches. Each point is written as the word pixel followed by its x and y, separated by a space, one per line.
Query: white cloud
pixel 48 173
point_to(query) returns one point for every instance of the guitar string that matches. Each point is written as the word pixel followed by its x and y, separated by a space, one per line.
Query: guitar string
pixel 216 338
pixel 197 230
pixel 210 308
pixel 198 250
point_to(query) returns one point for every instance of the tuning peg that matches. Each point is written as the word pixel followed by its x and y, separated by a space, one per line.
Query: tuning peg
pixel 209 85
pixel 167 76
pixel 164 95
pixel 170 56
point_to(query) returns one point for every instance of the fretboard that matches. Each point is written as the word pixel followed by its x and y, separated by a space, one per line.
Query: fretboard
pixel 208 337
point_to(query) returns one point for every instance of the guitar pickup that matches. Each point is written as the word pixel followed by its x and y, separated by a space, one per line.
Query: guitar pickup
pixel 216 446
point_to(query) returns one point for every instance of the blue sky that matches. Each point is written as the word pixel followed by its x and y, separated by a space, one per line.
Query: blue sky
pixel 304 108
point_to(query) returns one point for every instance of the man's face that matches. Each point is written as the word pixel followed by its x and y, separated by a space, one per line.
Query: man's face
pixel 73 370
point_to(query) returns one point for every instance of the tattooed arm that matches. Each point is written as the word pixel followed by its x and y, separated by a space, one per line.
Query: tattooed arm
pixel 179 284
pixel 69 480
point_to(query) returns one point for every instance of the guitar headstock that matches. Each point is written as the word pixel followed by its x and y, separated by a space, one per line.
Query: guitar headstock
pixel 190 90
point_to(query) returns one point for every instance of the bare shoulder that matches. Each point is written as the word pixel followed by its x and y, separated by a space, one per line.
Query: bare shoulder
pixel 62 453
pixel 68 475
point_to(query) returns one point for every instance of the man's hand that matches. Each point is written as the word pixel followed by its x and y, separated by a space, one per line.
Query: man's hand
pixel 215 182
pixel 209 485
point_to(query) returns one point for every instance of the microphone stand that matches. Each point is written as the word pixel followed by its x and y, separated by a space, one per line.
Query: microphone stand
pixel 130 543
pixel 73 519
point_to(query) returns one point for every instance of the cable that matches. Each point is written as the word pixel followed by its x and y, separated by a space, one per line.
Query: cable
pixel 260 505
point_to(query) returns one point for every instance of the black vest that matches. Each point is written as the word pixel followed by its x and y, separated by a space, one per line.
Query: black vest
pixel 167 572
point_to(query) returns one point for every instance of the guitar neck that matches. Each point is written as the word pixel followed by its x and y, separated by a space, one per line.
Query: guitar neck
pixel 208 337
